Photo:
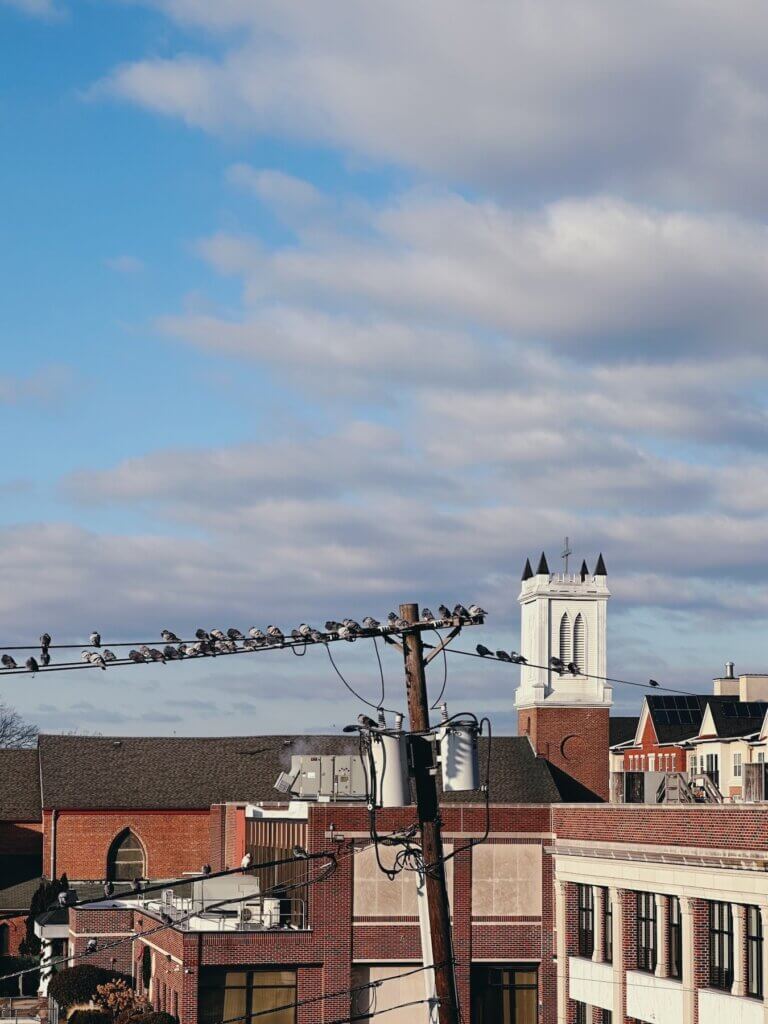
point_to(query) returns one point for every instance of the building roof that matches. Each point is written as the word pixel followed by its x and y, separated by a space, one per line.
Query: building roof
pixel 94 772
pixel 677 717
pixel 734 718
pixel 621 728
pixel 19 785
pixel 18 897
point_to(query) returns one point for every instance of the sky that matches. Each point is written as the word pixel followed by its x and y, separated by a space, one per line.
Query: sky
pixel 310 309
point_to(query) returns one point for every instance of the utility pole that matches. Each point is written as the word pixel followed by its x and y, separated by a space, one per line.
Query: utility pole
pixel 428 811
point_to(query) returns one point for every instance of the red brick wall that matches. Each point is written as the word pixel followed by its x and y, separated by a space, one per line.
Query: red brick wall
pixel 650 745
pixel 575 740
pixel 174 841
pixel 17 931
pixel 717 825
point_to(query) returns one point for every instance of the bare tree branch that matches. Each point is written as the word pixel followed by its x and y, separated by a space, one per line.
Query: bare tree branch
pixel 14 731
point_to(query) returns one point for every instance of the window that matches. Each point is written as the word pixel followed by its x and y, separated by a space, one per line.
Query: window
pixel 737 765
pixel 754 953
pixel 125 860
pixel 651 762
pixel 504 995
pixel 646 931
pixel 720 946
pixel 608 927
pixel 607 1017
pixel 675 939
pixel 581 1013
pixel 761 757
pixel 225 994
pixel 565 639
pixel 4 930
pixel 146 968
pixel 579 643
pixel 586 919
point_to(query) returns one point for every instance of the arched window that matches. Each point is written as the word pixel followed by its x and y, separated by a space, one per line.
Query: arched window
pixel 565 638
pixel 125 860
pixel 580 643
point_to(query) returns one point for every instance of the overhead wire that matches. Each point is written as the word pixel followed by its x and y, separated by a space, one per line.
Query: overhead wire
pixel 436 703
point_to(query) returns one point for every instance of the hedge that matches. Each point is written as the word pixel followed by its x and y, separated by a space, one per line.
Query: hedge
pixel 78 984
pixel 89 1017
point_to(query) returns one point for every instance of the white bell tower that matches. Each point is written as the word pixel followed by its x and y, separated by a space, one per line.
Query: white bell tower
pixel 564 616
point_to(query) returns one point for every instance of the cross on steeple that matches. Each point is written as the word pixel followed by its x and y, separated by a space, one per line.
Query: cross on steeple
pixel 566 553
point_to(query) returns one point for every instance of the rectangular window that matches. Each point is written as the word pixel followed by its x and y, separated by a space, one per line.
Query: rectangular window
pixel 754 953
pixel 608 927
pixel 581 1013
pixel 761 757
pixel 607 1017
pixel 737 766
pixel 720 946
pixel 675 939
pixel 247 995
pixel 586 920
pixel 646 931
pixel 503 995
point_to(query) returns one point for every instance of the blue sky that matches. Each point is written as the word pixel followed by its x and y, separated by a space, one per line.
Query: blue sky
pixel 309 309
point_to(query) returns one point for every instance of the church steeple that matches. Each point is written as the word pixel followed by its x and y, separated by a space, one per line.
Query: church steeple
pixel 543 568
pixel 584 570
pixel 600 569
pixel 527 571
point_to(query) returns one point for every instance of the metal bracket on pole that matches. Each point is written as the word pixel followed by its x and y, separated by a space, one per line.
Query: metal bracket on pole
pixel 442 645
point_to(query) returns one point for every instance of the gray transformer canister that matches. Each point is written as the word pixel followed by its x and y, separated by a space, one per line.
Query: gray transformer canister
pixel 459 761
pixel 390 761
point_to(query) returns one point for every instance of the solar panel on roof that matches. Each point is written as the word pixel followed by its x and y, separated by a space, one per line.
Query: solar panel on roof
pixel 730 711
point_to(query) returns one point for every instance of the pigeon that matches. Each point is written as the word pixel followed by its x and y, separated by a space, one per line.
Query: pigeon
pixel 95 639
pixel 370 623
pixel 169 637
pixel 401 624
pixel 136 656
pixel 246 861
pixel 98 661
pixel 305 630
pixel 171 654
pixel 32 665
pixel 345 633
pixel 652 682
pixel 557 664
pixel 217 633
pixel 444 613
pixel 483 651
pixel 91 946
pixel 206 869
pixel 275 633
pixel 426 614
pixel 85 656
pixel 366 723
pixel 296 635
pixel 573 668
pixel 183 650
pixel 45 658
pixel 476 612
pixel 146 652
pixel 503 656
pixel 332 626
pixel 156 655
pixel 392 617
pixel 201 634
pixel 108 655
pixel 518 659
pixel 354 626
pixel 108 888
pixel 45 641
pixel 8 661
pixel 257 635
pixel 317 636
pixel 249 644
pixel 299 852
pixel 461 611
pixel 235 634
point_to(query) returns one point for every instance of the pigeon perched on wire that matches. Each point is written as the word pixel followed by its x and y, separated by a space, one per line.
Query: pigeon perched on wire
pixel 503 656
pixel 557 664
pixel 91 946
pixel 275 633
pixel 257 635
pixel 354 626
pixel 305 629
pixel 171 654
pixel 136 656
pixel 8 661
pixel 108 655
pixel 427 615
pixel 249 644
pixel 146 651
pixel 218 634
pixel 32 665
pixel 573 668
pixel 168 637
pixel 365 722
pixel 345 633
pixel 484 651
pixel 317 636
pixel 332 626
pixel 97 660
pixel 201 634
pixel 296 635
pixel 461 611
pixel 45 641
pixel 45 658
pixel 156 655
pixel 234 634
pixel 85 656
pixel 518 658
pixel 370 623
pixel 444 613
pixel 246 862
pixel 476 612
pixel 653 682
pixel 108 889
pixel 95 639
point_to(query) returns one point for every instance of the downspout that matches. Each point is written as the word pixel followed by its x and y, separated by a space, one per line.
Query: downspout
pixel 54 816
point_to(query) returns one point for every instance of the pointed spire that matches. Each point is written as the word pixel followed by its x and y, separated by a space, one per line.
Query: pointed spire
pixel 584 570
pixel 527 571
pixel 543 569
pixel 600 569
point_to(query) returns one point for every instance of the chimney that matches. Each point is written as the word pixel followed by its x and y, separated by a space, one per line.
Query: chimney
pixel 729 670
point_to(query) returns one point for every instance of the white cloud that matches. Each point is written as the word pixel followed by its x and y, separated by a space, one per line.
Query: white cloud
pixel 536 96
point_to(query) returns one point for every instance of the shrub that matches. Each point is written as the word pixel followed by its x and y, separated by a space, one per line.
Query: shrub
pixel 78 984
pixel 89 1017
pixel 117 996
pixel 157 1017
pixel 140 1009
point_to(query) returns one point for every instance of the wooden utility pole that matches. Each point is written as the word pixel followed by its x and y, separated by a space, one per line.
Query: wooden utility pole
pixel 429 821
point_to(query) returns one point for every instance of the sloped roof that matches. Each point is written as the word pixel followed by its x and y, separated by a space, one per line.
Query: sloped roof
pixel 19 785
pixel 94 772
pixel 677 717
pixel 734 718
pixel 19 896
pixel 621 728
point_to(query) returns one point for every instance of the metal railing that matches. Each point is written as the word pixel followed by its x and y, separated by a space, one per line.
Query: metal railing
pixel 267 913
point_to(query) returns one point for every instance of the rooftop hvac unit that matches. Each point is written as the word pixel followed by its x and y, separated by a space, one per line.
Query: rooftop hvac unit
pixel 260 915
pixel 324 777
